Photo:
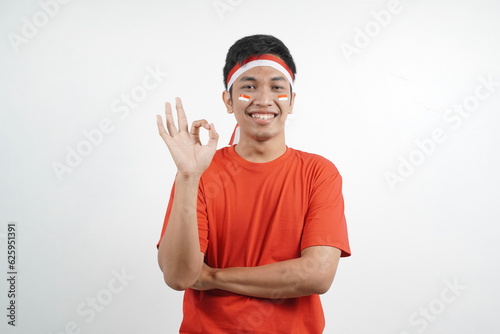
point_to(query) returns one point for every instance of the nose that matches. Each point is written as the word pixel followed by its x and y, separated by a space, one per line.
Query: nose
pixel 264 97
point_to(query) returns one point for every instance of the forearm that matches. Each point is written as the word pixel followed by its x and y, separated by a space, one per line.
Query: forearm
pixel 179 253
pixel 303 276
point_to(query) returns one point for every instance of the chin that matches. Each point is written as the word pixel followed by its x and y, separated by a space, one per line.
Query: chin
pixel 264 135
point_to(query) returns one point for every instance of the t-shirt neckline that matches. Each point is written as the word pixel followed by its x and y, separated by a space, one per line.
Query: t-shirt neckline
pixel 258 165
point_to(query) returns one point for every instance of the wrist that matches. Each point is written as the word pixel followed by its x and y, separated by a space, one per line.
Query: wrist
pixel 215 278
pixel 187 177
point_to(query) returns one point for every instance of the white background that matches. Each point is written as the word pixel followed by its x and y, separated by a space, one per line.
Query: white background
pixel 437 225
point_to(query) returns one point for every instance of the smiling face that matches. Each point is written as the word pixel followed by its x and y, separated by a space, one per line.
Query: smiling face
pixel 262 111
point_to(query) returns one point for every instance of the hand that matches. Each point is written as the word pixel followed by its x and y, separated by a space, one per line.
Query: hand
pixel 206 279
pixel 190 156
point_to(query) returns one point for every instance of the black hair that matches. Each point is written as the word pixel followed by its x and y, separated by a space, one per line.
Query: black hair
pixel 257 45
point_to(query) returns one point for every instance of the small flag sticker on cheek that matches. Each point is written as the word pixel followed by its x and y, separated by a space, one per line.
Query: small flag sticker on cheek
pixel 283 97
pixel 244 97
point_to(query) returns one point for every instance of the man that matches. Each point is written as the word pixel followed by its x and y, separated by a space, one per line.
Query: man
pixel 253 231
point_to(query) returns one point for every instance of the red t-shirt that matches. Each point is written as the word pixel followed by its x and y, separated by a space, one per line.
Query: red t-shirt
pixel 251 214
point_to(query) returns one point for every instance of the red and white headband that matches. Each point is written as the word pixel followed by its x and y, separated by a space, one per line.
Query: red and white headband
pixel 262 60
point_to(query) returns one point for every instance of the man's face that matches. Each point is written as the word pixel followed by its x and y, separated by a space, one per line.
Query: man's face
pixel 263 116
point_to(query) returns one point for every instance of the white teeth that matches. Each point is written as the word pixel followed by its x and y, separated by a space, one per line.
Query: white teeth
pixel 263 116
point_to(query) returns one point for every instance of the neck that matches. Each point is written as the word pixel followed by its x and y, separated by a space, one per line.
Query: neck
pixel 261 151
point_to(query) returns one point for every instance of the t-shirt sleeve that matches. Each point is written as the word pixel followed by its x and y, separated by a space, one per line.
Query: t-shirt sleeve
pixel 325 223
pixel 202 220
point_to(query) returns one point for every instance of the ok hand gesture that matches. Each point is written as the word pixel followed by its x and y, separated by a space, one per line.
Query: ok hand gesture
pixel 190 156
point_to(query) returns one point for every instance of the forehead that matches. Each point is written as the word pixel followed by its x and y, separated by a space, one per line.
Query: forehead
pixel 262 73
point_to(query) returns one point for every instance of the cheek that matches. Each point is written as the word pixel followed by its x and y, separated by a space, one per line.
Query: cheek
pixel 285 107
pixel 244 98
pixel 283 98
pixel 240 107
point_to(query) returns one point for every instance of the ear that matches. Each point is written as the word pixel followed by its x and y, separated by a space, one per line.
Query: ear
pixel 292 101
pixel 226 98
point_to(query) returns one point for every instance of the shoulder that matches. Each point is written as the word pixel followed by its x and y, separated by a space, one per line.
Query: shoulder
pixel 221 161
pixel 222 150
pixel 315 162
pixel 221 154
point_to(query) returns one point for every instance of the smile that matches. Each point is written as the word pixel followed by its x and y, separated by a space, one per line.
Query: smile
pixel 262 116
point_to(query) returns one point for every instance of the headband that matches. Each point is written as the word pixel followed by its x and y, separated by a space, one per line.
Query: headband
pixel 262 60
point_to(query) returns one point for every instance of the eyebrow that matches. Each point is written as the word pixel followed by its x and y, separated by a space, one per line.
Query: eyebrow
pixel 248 79
pixel 279 78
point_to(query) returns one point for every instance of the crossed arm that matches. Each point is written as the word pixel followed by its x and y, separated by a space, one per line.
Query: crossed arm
pixel 311 273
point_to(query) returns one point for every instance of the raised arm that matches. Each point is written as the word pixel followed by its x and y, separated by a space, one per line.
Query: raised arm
pixel 179 255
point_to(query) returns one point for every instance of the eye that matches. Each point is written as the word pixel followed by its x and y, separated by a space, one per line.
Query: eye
pixel 278 87
pixel 248 87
